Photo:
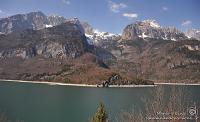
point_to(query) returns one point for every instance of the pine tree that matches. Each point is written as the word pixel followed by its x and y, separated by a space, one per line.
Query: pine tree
pixel 100 115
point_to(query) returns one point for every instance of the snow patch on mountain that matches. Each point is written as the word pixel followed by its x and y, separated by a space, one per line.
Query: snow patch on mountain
pixel 173 39
pixel 48 26
pixel 152 23
pixel 103 35
pixel 100 36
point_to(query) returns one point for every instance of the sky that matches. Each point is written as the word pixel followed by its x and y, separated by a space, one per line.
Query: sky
pixel 113 15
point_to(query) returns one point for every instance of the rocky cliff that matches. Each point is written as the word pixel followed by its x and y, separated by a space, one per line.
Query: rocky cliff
pixel 151 29
pixel 33 20
pixel 62 41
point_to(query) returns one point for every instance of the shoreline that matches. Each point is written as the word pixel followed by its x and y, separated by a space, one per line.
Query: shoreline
pixel 70 84
pixel 179 84
pixel 95 86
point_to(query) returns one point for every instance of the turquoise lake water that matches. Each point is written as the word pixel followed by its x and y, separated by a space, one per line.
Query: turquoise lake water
pixel 52 103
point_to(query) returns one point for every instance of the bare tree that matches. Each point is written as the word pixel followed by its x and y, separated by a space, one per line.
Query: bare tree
pixel 164 106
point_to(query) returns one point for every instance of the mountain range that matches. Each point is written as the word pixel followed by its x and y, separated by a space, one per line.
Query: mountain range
pixel 34 46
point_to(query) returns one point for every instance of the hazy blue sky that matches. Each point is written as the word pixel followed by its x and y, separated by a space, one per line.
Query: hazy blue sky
pixel 113 15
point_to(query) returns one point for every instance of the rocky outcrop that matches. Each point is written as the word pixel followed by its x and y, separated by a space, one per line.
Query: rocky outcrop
pixel 151 29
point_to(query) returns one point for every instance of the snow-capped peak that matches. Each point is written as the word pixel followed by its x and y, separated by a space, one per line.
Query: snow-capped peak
pixel 102 33
pixel 152 23
pixel 100 36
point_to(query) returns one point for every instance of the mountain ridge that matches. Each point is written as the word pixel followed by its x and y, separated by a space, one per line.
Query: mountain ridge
pixel 143 29
pixel 145 50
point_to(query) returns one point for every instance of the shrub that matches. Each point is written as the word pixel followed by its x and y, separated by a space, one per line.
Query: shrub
pixel 100 115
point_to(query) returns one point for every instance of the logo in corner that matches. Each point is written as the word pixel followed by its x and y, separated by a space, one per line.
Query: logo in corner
pixel 192 111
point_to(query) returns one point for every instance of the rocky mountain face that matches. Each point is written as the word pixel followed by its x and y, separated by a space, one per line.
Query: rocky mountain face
pixel 54 53
pixel 193 33
pixel 41 22
pixel 151 29
pixel 38 20
pixel 153 52
pixel 62 41
pixel 32 20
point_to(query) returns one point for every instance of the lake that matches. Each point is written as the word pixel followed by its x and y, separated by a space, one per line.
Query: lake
pixel 53 103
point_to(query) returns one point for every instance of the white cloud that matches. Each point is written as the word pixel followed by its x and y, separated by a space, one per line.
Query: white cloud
pixel 116 7
pixel 186 23
pixel 130 15
pixel 164 8
pixel 67 2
